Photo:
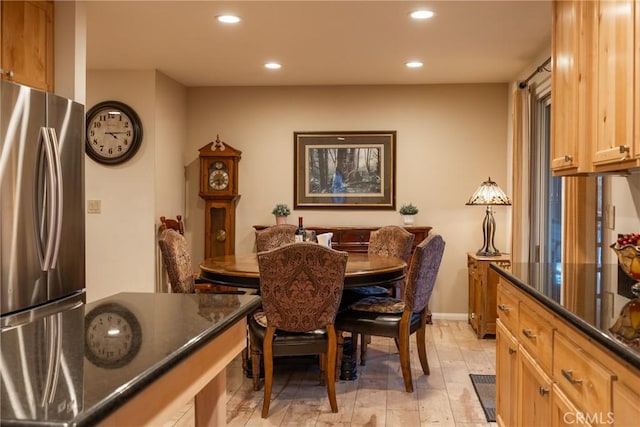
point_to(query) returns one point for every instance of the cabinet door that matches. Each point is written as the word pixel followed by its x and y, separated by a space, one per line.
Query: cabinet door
pixel 27 43
pixel 564 93
pixel 506 377
pixel 534 393
pixel 474 292
pixel 626 405
pixel 614 143
pixel 564 413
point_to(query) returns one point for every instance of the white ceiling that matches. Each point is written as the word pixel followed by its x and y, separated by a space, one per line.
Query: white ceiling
pixel 319 42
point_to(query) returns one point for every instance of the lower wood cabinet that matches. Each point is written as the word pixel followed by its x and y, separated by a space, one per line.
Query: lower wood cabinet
pixel 482 292
pixel 549 373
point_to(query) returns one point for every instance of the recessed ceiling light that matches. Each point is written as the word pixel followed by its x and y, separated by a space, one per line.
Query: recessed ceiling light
pixel 422 14
pixel 228 19
pixel 413 64
pixel 272 65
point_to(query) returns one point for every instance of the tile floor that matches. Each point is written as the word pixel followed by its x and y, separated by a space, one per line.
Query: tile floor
pixel 377 397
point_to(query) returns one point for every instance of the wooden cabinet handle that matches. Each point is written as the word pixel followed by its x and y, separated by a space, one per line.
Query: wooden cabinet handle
pixel 568 374
pixel 568 158
pixel 527 333
pixel 512 350
pixel 543 391
pixel 503 307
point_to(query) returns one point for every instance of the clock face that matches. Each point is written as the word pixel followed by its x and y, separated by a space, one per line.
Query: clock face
pixel 114 132
pixel 218 176
pixel 112 336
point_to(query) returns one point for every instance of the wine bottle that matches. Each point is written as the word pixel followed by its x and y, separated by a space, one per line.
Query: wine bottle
pixel 300 232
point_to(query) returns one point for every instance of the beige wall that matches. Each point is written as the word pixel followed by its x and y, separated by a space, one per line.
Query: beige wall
pixel 449 139
pixel 121 249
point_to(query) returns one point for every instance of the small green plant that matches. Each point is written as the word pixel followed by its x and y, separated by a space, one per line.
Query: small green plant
pixel 281 209
pixel 408 209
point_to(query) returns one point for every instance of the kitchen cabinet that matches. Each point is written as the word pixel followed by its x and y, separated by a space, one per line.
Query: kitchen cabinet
pixel 27 43
pixel 594 103
pixel 558 374
pixel 482 292
pixel 614 142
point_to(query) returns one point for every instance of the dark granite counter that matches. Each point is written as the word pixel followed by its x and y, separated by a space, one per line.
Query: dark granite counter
pixel 596 308
pixel 110 350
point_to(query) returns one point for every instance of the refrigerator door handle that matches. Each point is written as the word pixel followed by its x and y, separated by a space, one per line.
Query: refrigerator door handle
pixel 58 205
pixel 47 196
pixel 53 324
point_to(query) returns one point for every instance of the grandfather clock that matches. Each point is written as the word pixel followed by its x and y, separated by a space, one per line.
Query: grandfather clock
pixel 219 189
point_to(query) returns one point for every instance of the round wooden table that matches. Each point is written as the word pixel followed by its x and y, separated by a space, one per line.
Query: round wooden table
pixel 362 270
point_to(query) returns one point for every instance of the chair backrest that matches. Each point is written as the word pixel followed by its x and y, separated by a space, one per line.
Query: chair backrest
pixel 391 240
pixel 423 271
pixel 175 224
pixel 177 261
pixel 275 236
pixel 301 285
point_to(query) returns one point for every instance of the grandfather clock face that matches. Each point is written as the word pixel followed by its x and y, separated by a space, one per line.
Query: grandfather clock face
pixel 219 188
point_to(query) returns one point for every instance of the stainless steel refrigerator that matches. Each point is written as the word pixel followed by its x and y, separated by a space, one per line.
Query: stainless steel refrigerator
pixel 42 254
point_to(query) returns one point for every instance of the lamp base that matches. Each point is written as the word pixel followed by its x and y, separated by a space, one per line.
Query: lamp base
pixel 483 252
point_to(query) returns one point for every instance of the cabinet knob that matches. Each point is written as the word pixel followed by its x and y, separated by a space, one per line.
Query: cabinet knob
pixel 473 315
pixel 8 73
pixel 512 351
pixel 543 391
pixel 503 307
pixel 527 333
pixel 568 374
pixel 568 158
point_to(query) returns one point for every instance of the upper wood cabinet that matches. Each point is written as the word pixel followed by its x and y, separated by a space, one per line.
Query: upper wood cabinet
pixel 27 43
pixel 594 101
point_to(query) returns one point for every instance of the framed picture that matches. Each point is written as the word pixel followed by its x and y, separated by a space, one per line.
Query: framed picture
pixel 354 170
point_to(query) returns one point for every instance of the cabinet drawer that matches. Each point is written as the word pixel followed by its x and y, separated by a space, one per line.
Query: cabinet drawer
pixel 355 236
pixel 536 333
pixel 581 377
pixel 507 304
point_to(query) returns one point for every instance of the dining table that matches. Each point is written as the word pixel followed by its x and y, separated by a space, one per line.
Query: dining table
pixel 362 270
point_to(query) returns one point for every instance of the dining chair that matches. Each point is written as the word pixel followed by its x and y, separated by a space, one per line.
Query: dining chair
pixel 301 286
pixel 278 235
pixel 399 318
pixel 392 241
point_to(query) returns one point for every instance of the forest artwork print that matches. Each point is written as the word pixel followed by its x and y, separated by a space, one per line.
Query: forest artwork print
pixel 344 170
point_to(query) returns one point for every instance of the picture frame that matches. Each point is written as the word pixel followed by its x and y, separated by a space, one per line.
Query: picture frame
pixel 344 170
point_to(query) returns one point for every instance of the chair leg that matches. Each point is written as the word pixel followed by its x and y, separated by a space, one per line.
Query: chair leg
pixel 366 339
pixel 421 342
pixel 267 354
pixel 255 367
pixel 405 357
pixel 339 352
pixel 323 367
pixel 331 367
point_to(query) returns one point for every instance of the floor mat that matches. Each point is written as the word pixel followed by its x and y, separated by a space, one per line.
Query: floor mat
pixel 485 386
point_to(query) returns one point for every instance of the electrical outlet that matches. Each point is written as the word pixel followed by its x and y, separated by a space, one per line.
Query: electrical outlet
pixel 94 206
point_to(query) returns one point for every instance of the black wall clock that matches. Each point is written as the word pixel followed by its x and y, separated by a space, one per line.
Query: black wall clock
pixel 114 132
pixel 112 336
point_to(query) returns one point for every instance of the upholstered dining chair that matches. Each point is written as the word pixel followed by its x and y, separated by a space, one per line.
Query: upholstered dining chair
pixel 278 235
pixel 177 261
pixel 399 318
pixel 392 241
pixel 301 286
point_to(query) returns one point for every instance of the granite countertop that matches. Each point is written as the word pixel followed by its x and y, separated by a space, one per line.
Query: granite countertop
pixel 110 350
pixel 596 308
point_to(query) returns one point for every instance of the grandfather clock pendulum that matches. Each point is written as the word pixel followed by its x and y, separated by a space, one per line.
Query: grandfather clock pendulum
pixel 219 189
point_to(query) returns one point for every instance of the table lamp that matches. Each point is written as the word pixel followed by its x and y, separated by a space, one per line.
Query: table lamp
pixel 489 194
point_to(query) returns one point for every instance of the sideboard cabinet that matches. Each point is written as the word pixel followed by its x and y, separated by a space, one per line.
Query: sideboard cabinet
pixel 356 239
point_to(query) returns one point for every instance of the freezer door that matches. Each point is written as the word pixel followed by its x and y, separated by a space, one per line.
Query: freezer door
pixel 41 369
pixel 22 118
pixel 65 120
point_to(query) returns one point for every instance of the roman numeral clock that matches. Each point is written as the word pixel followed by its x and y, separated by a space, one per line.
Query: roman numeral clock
pixel 219 189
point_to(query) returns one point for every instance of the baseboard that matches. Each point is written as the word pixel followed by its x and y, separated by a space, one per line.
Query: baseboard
pixel 449 316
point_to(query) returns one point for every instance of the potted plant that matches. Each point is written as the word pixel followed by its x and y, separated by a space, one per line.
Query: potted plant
pixel 281 212
pixel 408 210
